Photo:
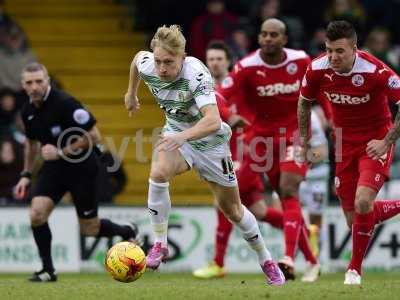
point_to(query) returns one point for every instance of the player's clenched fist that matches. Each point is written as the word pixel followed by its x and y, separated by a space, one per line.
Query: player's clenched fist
pixel 131 103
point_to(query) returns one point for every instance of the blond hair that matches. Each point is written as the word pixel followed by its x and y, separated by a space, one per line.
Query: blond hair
pixel 169 38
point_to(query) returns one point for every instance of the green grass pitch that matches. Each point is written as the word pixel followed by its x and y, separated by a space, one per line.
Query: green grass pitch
pixel 156 285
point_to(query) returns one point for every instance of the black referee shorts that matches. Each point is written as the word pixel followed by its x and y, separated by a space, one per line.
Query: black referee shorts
pixel 55 178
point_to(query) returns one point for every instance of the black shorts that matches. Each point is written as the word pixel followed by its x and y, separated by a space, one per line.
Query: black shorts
pixel 55 178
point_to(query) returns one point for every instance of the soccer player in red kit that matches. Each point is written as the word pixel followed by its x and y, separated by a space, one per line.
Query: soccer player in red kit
pixel 270 79
pixel 358 86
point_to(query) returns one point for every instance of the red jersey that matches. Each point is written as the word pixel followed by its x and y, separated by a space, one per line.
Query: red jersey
pixel 359 99
pixel 270 91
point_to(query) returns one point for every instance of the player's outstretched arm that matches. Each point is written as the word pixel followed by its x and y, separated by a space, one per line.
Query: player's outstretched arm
pixel 131 99
pixel 210 123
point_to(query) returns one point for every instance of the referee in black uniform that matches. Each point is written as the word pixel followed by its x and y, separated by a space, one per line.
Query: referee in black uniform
pixel 66 133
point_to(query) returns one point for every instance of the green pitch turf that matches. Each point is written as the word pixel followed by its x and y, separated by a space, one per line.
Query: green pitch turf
pixel 184 286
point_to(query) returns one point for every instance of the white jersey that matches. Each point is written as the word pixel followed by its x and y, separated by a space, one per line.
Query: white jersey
pixel 182 98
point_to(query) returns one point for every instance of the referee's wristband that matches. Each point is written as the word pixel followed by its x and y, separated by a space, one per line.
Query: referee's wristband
pixel 26 174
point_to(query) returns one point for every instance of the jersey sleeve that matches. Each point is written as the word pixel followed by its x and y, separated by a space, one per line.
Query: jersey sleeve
pixel 233 83
pixel 309 84
pixel 75 115
pixel 143 59
pixel 202 87
pixel 390 82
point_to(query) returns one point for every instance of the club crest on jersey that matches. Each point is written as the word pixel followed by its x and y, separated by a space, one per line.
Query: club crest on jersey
pixel 394 82
pixel 357 80
pixel 291 68
pixel 55 130
pixel 227 82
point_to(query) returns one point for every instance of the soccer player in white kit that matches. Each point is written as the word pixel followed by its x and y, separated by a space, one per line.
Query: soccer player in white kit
pixel 193 137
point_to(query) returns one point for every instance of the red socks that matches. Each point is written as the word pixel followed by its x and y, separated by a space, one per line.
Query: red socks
pixel 292 224
pixel 385 209
pixel 362 231
pixel 274 217
pixel 224 229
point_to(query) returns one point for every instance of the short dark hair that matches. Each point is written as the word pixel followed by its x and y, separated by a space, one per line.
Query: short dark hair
pixel 35 67
pixel 220 45
pixel 341 30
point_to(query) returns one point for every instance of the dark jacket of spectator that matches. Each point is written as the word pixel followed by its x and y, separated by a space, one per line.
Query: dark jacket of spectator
pixel 215 24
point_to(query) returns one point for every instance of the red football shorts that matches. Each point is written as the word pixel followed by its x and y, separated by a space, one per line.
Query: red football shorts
pixel 263 157
pixel 356 168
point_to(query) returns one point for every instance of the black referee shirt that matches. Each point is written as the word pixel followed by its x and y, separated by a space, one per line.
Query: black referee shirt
pixel 59 118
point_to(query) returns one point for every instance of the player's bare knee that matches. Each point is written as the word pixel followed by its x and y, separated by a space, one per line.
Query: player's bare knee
pixel 235 216
pixel 288 191
pixel 37 217
pixel 257 213
pixel 232 212
pixel 363 205
pixel 162 174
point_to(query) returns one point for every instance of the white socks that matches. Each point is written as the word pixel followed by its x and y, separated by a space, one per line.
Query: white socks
pixel 159 205
pixel 251 233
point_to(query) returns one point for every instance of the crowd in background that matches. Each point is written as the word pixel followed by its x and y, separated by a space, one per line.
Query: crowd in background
pixel 236 22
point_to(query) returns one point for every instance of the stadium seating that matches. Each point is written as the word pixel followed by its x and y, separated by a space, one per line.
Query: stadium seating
pixel 88 46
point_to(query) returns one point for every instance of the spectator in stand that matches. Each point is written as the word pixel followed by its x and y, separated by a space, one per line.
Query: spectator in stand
pixel 215 24
pixel 349 10
pixel 5 22
pixel 15 54
pixel 11 163
pixel 9 118
pixel 317 43
pixel 378 43
pixel 239 42
pixel 267 9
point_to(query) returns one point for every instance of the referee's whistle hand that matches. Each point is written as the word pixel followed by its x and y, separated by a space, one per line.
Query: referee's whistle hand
pixel 50 152
pixel 21 188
